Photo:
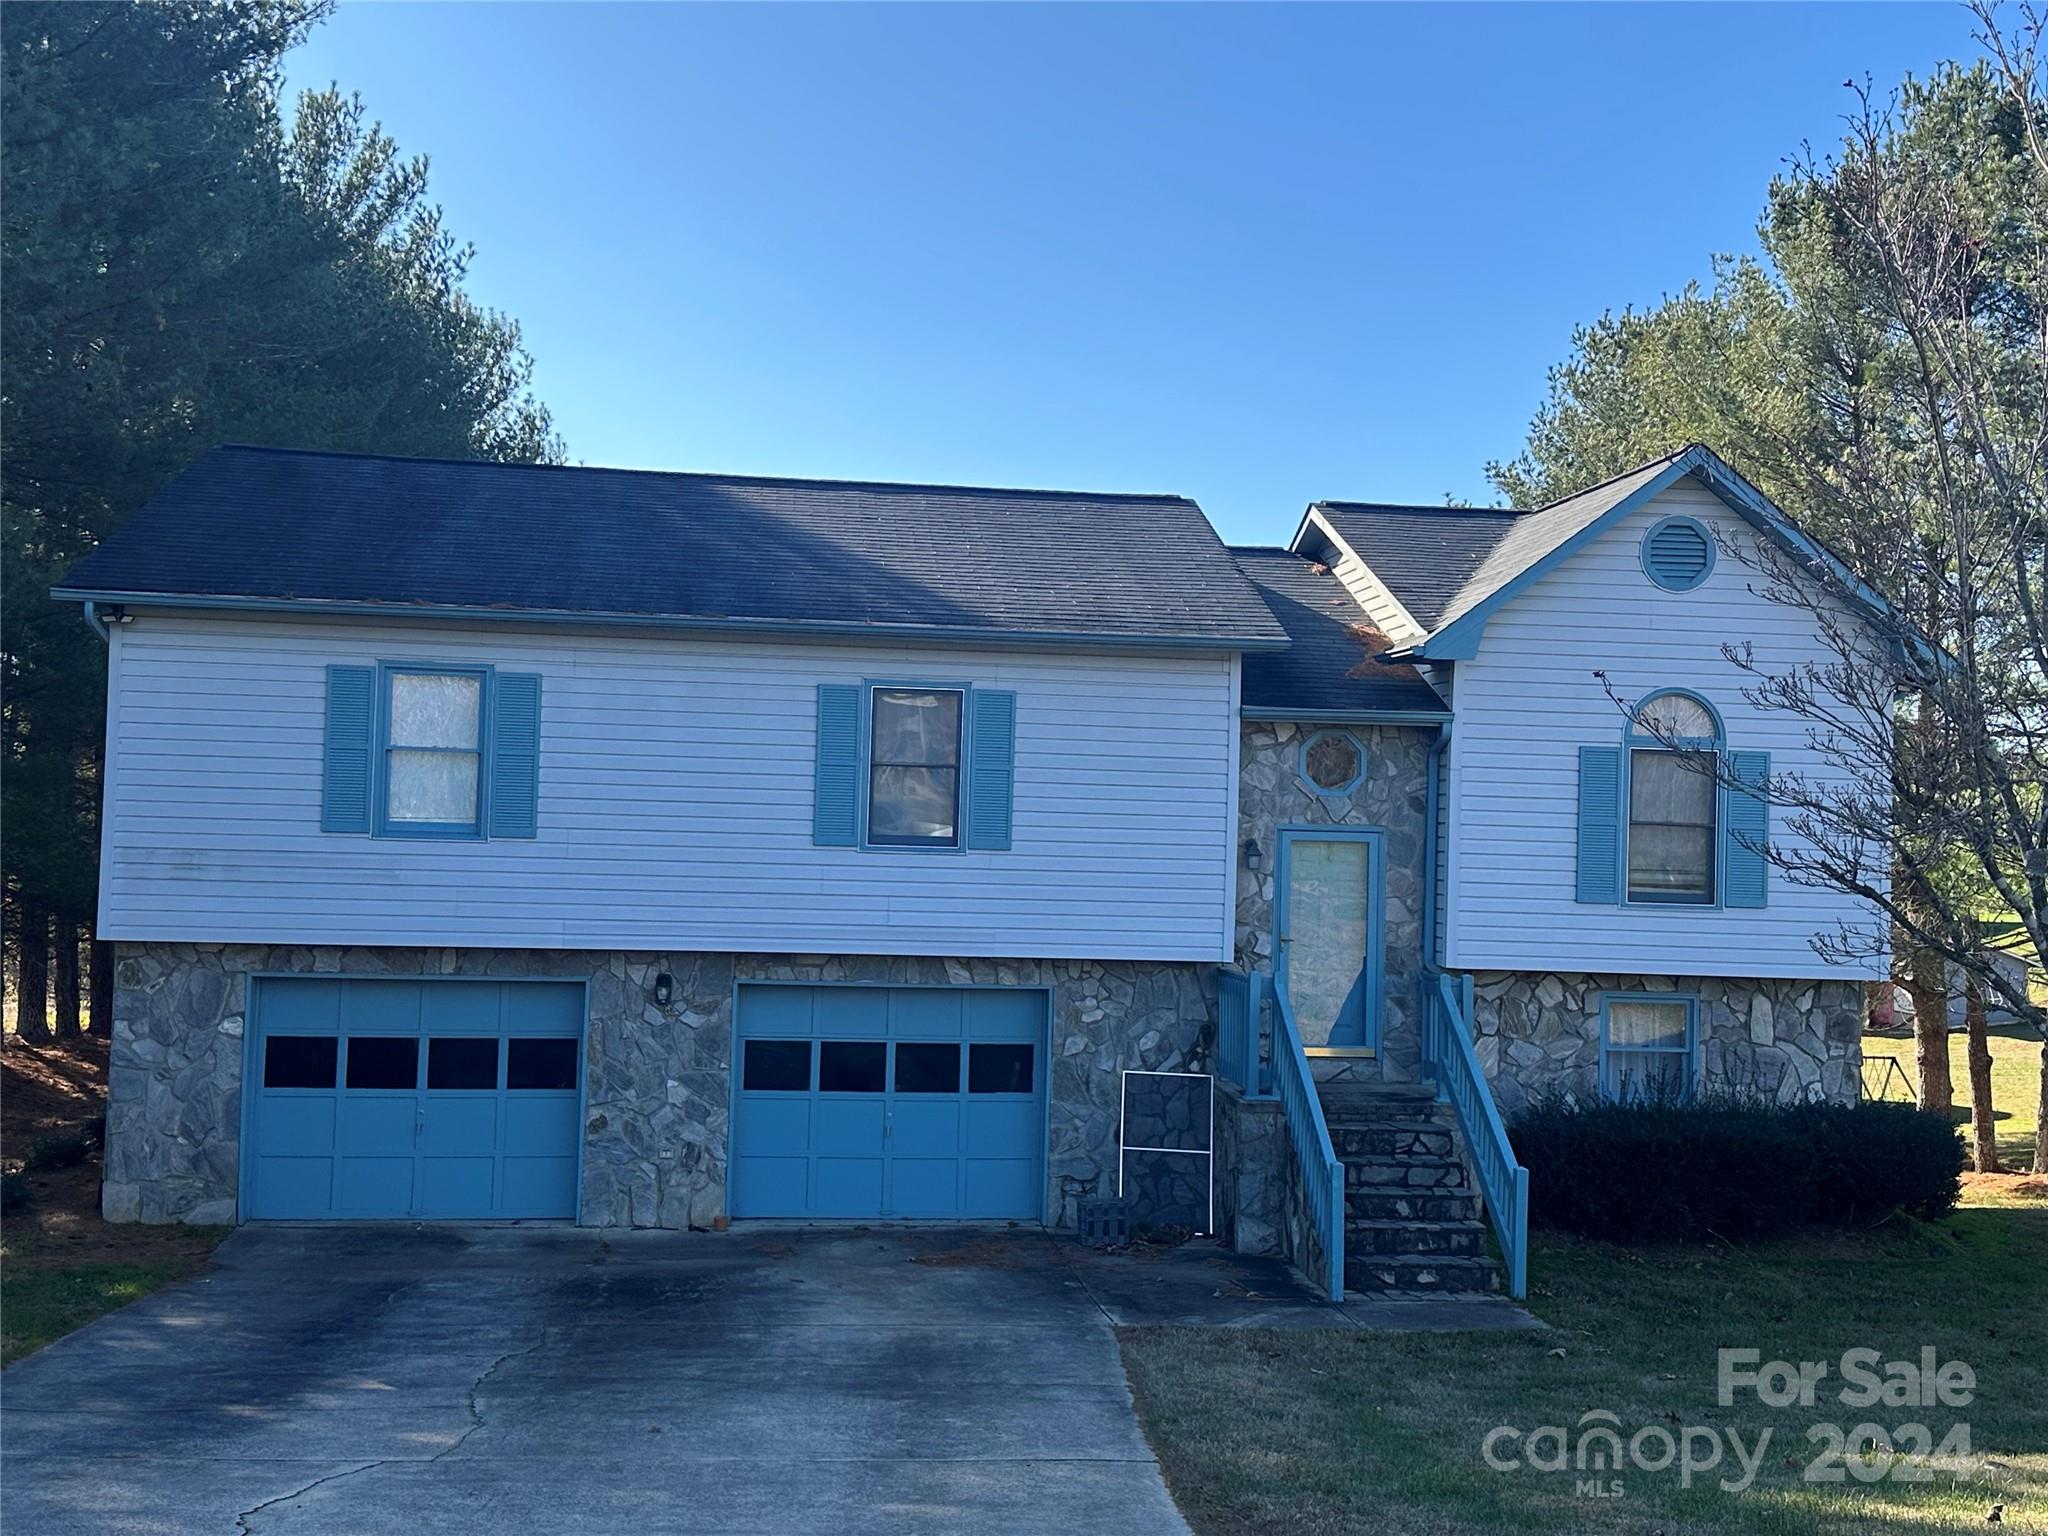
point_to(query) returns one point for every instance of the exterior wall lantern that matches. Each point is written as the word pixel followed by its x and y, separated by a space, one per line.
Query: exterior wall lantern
pixel 664 989
pixel 1253 857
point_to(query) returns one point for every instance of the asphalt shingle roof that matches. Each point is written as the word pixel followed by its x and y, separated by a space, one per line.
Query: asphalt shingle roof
pixel 1425 555
pixel 1330 664
pixel 1442 562
pixel 264 523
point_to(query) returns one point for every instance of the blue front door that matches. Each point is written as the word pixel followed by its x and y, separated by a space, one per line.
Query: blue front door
pixel 372 1099
pixel 912 1102
pixel 1330 905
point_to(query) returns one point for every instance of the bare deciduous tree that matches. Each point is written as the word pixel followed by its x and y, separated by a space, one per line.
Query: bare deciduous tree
pixel 1929 709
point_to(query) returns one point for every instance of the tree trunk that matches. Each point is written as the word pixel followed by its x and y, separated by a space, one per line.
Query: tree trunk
pixel 1927 985
pixel 67 981
pixel 100 989
pixel 32 999
pixel 2041 1125
pixel 1983 1128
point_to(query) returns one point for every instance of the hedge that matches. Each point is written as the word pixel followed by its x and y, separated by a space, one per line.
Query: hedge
pixel 1731 1168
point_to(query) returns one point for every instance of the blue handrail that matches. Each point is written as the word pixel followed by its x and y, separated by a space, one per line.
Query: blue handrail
pixel 1322 1176
pixel 1238 1005
pixel 1448 1054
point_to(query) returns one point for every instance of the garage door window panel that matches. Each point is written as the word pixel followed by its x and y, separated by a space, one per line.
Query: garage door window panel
pixel 776 1066
pixel 927 1067
pixel 1001 1068
pixel 540 1066
pixel 300 1061
pixel 460 1063
pixel 383 1061
pixel 852 1066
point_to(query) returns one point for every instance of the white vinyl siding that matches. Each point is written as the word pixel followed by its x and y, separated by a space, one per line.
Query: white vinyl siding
pixel 675 801
pixel 1529 700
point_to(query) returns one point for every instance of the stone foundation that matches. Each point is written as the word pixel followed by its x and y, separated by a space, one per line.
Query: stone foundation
pixel 658 1079
pixel 1539 1033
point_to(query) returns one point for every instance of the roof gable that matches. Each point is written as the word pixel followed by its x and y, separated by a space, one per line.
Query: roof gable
pixel 1486 558
pixel 257 527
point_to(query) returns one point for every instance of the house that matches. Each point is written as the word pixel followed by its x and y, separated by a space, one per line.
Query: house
pixel 490 841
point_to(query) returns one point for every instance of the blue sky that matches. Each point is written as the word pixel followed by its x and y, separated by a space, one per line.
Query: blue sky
pixel 1255 254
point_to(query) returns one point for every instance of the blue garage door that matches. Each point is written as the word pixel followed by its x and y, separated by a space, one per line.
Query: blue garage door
pixel 913 1102
pixel 381 1099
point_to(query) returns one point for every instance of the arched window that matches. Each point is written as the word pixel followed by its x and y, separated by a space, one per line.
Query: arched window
pixel 1674 799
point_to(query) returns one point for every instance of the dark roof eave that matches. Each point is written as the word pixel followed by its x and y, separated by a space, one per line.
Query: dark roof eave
pixel 1360 716
pixel 734 625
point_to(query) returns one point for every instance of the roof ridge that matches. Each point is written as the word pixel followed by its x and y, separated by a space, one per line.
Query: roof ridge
pixel 705 474
pixel 1434 508
pixel 1660 461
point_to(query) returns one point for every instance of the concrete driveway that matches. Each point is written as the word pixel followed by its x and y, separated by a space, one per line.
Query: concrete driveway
pixel 444 1379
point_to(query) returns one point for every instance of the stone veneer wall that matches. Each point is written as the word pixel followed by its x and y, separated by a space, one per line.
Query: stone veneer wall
pixel 1539 1033
pixel 1393 798
pixel 1252 1154
pixel 655 1127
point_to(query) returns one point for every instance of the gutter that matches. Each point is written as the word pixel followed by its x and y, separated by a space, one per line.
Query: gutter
pixel 97 624
pixel 951 634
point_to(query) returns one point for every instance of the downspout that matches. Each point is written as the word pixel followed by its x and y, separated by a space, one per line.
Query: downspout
pixel 1433 809
pixel 99 625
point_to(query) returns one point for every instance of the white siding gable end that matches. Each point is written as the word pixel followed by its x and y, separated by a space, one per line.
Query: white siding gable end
pixel 1529 699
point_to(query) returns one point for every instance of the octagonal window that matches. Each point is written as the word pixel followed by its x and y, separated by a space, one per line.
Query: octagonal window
pixel 1332 762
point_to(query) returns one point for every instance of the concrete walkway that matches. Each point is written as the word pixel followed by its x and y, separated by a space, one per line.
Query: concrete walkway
pixel 544 1379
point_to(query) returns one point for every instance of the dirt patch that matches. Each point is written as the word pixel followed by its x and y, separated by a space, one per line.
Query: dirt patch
pixel 48 1090
pixel 1997 1188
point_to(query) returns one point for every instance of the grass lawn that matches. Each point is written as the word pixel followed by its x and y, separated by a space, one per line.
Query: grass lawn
pixel 1286 1434
pixel 60 1265
pixel 2015 1084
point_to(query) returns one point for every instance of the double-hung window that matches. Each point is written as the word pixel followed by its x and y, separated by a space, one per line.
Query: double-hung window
pixel 1647 1046
pixel 1674 799
pixel 914 740
pixel 433 751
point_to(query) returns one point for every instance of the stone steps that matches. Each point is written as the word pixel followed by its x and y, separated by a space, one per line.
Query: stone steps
pixel 1411 1215
pixel 1466 1239
pixel 1412 1172
pixel 1411 1205
pixel 1394 1139
pixel 1418 1272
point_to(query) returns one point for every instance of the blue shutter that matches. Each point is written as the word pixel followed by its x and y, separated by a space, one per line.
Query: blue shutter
pixel 1745 872
pixel 835 803
pixel 515 755
pixel 345 755
pixel 991 767
pixel 1599 824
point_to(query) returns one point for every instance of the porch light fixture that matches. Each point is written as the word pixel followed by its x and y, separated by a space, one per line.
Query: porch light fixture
pixel 1253 858
pixel 664 989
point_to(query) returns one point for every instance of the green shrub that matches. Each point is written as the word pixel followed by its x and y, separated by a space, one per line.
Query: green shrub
pixel 1731 1168
pixel 13 1194
pixel 59 1149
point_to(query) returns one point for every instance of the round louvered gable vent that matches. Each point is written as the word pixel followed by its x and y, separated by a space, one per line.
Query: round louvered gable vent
pixel 1678 554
